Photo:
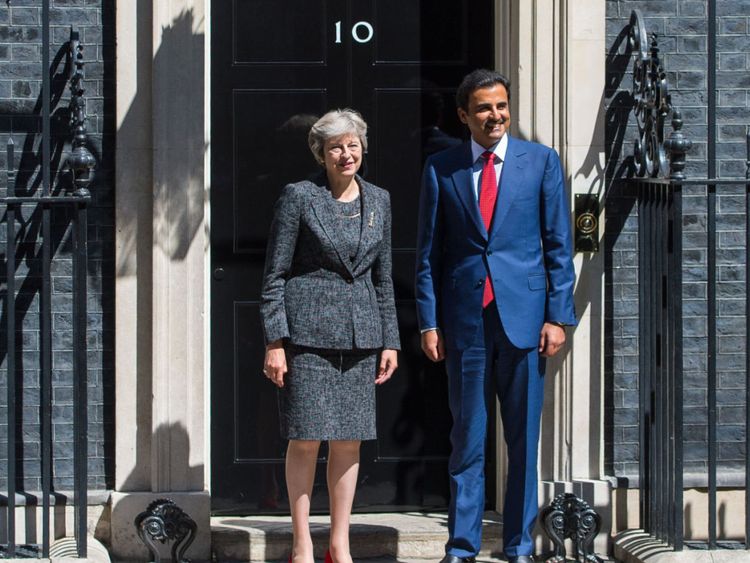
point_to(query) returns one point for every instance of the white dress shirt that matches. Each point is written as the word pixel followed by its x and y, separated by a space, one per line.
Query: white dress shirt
pixel 499 148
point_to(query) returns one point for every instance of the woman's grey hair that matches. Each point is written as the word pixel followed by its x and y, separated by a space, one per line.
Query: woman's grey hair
pixel 335 123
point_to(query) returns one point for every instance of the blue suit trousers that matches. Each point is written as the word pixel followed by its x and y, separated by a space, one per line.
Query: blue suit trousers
pixel 491 366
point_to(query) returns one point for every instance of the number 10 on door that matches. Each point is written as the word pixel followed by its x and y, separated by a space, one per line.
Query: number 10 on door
pixel 362 32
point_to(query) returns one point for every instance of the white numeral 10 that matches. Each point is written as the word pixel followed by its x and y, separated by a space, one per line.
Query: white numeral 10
pixel 362 32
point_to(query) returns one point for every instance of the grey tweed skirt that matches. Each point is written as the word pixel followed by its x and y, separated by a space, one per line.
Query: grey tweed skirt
pixel 328 394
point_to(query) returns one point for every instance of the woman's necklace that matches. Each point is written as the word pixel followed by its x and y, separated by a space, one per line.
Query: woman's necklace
pixel 344 205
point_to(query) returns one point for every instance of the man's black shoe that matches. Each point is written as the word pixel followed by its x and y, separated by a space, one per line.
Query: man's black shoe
pixel 521 559
pixel 454 559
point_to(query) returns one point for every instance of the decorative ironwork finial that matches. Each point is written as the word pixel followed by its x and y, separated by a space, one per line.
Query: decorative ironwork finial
pixel 653 153
pixel 80 161
pixel 678 146
pixel 568 516
pixel 164 521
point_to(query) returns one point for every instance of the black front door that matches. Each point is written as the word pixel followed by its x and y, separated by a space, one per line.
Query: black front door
pixel 276 65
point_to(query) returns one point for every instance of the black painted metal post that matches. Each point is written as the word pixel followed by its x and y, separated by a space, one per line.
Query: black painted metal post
pixel 80 379
pixel 46 95
pixel 711 226
pixel 711 363
pixel 642 359
pixel 669 358
pixel 662 397
pixel 677 347
pixel 10 327
pixel 648 376
pixel 747 343
pixel 652 374
pixel 664 363
pixel 45 324
pixel 711 90
pixel 658 379
pixel 666 369
pixel 645 379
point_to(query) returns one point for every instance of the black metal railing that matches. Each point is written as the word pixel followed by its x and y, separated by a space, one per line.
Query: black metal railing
pixel 660 358
pixel 660 192
pixel 660 246
pixel 50 201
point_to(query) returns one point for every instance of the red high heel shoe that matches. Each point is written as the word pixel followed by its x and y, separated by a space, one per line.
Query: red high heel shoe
pixel 329 559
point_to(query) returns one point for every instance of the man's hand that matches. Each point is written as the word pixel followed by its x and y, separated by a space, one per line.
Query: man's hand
pixel 551 339
pixel 433 346
pixel 274 364
pixel 388 364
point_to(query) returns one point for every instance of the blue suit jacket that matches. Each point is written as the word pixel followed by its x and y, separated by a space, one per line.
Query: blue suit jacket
pixel 527 253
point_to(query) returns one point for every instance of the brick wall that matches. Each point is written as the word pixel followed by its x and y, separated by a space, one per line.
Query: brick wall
pixel 681 26
pixel 20 95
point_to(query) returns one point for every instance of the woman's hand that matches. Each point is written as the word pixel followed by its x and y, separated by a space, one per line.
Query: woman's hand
pixel 274 365
pixel 388 364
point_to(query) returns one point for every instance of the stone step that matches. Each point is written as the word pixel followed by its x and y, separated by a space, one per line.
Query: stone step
pixel 388 537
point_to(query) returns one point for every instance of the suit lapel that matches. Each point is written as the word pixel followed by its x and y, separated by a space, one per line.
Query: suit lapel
pixel 370 218
pixel 464 184
pixel 324 214
pixel 510 183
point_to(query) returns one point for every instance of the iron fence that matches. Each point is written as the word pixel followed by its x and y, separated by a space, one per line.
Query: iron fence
pixel 660 190
pixel 52 200
pixel 661 354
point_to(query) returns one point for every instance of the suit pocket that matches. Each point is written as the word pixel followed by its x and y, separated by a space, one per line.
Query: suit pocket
pixel 537 282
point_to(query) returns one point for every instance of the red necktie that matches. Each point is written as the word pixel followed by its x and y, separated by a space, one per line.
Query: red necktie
pixel 487 198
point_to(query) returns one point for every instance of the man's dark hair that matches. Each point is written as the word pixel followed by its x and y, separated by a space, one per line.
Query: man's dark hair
pixel 476 79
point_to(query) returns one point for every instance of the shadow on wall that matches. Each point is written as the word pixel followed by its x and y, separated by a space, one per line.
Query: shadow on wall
pixel 614 112
pixel 167 207
pixel 170 447
pixel 170 443
pixel 162 206
pixel 618 205
pixel 620 105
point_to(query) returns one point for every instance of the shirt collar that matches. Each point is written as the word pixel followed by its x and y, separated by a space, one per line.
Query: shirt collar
pixel 499 148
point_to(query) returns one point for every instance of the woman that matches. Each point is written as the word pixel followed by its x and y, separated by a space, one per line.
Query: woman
pixel 328 315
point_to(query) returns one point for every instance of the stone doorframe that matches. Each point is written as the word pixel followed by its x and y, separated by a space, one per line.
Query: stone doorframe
pixel 162 260
pixel 554 53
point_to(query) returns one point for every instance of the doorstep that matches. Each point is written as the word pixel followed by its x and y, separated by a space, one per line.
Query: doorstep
pixel 384 537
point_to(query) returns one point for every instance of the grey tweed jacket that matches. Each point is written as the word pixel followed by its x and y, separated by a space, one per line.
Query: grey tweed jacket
pixel 313 294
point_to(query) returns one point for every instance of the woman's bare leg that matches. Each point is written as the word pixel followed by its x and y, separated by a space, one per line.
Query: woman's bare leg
pixel 343 468
pixel 301 456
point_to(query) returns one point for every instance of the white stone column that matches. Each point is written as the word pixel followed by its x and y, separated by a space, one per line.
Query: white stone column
pixel 554 53
pixel 162 260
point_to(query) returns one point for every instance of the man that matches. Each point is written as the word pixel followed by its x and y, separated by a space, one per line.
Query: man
pixel 494 286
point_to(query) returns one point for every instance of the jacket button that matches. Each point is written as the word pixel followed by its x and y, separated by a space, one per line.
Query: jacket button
pixel 480 283
pixel 349 280
pixel 489 253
